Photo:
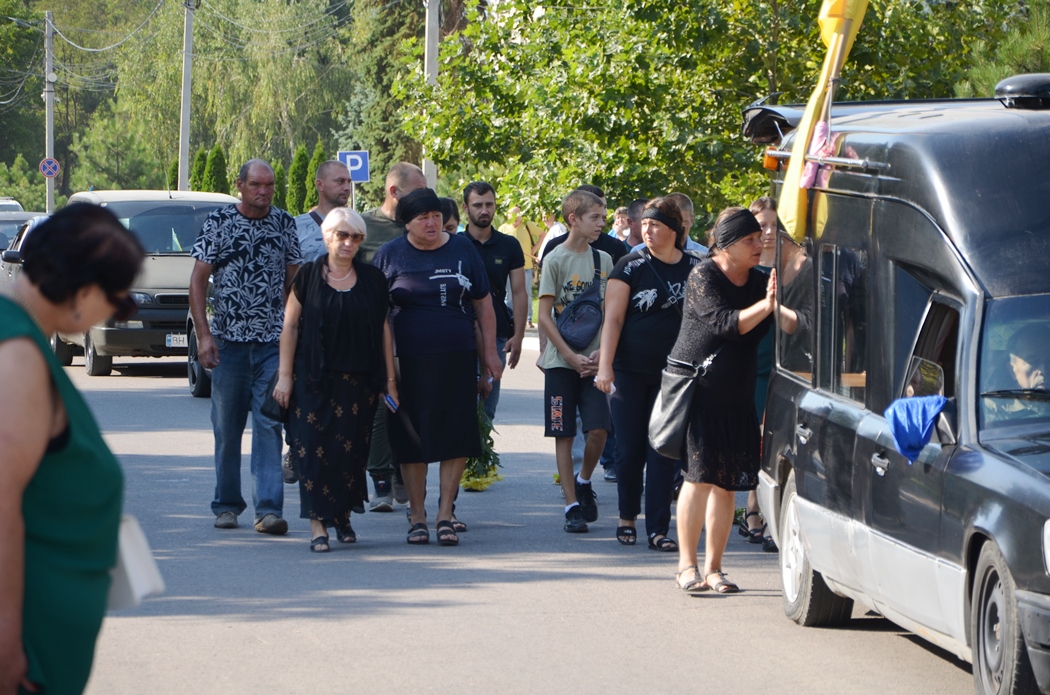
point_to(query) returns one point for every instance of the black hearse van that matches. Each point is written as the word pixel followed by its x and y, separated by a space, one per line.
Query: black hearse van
pixel 926 260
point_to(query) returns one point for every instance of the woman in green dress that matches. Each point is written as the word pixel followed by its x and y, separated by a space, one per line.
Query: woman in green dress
pixel 60 487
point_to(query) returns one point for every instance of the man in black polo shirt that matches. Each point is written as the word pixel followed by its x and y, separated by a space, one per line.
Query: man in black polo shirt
pixel 503 259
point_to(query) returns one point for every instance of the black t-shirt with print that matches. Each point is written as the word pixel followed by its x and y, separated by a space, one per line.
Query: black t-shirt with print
pixel 654 305
pixel 501 254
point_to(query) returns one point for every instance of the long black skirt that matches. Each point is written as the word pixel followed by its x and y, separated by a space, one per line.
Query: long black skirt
pixel 330 433
pixel 439 395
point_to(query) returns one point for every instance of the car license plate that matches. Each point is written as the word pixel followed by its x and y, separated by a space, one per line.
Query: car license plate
pixel 175 340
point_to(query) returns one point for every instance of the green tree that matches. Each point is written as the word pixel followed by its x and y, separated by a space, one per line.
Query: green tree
pixel 21 110
pixel 173 174
pixel 297 175
pixel 23 183
pixel 1026 49
pixel 113 154
pixel 200 161
pixel 280 186
pixel 215 178
pixel 316 160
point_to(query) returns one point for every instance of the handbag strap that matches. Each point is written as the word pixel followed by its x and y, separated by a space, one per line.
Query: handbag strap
pixel 597 264
pixel 696 369
pixel 648 255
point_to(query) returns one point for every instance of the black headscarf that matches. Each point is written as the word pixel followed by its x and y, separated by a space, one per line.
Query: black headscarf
pixel 416 203
pixel 655 214
pixel 737 226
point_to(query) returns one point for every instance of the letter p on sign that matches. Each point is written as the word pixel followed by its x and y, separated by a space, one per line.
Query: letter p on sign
pixel 357 162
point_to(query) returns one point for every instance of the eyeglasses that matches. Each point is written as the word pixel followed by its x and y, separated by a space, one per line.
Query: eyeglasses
pixel 356 237
pixel 124 307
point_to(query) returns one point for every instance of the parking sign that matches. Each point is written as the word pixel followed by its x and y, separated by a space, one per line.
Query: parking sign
pixel 357 162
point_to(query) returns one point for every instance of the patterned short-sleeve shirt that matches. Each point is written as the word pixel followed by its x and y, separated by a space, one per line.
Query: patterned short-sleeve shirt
pixel 248 259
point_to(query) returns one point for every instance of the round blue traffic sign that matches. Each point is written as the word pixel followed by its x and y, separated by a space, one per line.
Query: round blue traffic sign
pixel 49 167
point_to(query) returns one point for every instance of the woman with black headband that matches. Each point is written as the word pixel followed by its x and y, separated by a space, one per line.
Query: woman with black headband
pixel 438 286
pixel 643 313
pixel 729 306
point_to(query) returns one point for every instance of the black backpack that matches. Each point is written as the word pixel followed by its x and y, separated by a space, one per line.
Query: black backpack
pixel 581 320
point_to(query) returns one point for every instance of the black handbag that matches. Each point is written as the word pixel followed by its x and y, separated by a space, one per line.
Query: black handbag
pixel 271 408
pixel 670 417
pixel 582 318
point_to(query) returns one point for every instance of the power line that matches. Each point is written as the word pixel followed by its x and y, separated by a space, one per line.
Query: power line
pixel 327 13
pixel 28 73
pixel 118 43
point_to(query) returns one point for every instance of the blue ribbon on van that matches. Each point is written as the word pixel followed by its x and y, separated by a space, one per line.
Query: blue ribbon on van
pixel 912 421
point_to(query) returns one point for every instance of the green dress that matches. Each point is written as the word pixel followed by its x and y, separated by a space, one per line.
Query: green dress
pixel 72 509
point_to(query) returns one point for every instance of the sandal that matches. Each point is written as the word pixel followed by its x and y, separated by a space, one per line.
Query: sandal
pixel 753 535
pixel 626 535
pixel 458 526
pixel 345 534
pixel 694 583
pixel 446 533
pixel 418 535
pixel 663 543
pixel 723 585
pixel 319 545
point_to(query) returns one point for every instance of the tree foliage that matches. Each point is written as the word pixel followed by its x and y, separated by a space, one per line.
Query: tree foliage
pixel 216 179
pixel 643 97
pixel 114 154
pixel 316 160
pixel 280 186
pixel 1026 49
pixel 173 175
pixel 297 175
pixel 200 162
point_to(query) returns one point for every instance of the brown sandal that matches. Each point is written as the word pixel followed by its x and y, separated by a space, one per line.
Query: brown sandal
pixel 723 585
pixel 693 584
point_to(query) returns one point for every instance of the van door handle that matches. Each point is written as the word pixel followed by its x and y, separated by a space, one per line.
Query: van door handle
pixel 803 433
pixel 881 463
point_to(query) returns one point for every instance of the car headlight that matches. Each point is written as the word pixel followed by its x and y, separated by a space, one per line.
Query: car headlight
pixel 1046 546
pixel 141 298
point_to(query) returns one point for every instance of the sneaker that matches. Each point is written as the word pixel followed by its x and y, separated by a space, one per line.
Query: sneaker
pixel 289 469
pixel 588 501
pixel 272 525
pixel 574 522
pixel 400 492
pixel 610 474
pixel 226 520
pixel 382 502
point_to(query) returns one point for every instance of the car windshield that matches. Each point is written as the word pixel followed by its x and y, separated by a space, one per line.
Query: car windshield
pixel 164 226
pixel 1014 385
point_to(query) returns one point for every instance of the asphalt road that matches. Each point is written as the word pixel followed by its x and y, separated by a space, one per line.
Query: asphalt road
pixel 518 607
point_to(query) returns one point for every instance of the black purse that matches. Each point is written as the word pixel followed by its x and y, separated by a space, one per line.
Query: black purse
pixel 670 417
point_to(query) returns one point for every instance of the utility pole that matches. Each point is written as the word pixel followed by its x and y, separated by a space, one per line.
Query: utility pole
pixel 49 104
pixel 187 89
pixel 430 70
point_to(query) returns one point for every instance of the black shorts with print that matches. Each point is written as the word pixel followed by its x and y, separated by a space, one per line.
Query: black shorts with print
pixel 564 393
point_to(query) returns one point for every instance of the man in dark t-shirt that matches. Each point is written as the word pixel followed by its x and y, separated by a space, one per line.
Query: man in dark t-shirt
pixel 503 259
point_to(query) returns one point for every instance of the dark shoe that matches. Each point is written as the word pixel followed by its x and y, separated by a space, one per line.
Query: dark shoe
pixel 626 535
pixel 588 501
pixel 663 543
pixel 290 469
pixel 319 545
pixel 610 474
pixel 574 522
pixel 400 492
pixel 226 520
pixel 383 501
pixel 345 534
pixel 722 585
pixel 419 534
pixel 769 545
pixel 272 525
pixel 753 535
pixel 446 533
pixel 458 526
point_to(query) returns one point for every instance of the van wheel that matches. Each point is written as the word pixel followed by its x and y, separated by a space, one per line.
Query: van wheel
pixel 807 599
pixel 200 381
pixel 96 364
pixel 1000 659
pixel 63 350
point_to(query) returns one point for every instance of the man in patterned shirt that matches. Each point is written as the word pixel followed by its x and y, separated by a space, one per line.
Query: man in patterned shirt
pixel 251 251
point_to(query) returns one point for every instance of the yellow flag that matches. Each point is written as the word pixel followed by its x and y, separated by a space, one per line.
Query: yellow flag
pixel 839 23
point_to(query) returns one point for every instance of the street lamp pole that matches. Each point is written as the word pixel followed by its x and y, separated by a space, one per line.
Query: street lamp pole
pixel 187 89
pixel 49 104
pixel 430 70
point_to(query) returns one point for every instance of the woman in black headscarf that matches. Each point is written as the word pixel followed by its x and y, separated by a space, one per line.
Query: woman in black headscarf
pixel 728 309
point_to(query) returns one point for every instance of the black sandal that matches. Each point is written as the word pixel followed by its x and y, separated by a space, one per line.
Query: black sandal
pixel 626 535
pixel 419 534
pixel 663 544
pixel 315 545
pixel 446 533
pixel 753 535
pixel 345 534
pixel 723 585
pixel 458 526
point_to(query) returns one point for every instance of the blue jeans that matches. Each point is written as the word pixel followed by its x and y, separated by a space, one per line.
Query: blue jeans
pixel 238 387
pixel 493 399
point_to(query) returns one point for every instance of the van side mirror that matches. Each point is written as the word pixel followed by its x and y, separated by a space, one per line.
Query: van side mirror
pixel 948 424
pixel 11 257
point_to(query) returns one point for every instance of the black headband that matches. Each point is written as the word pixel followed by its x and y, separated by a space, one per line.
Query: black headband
pixel 655 214
pixel 416 203
pixel 737 226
